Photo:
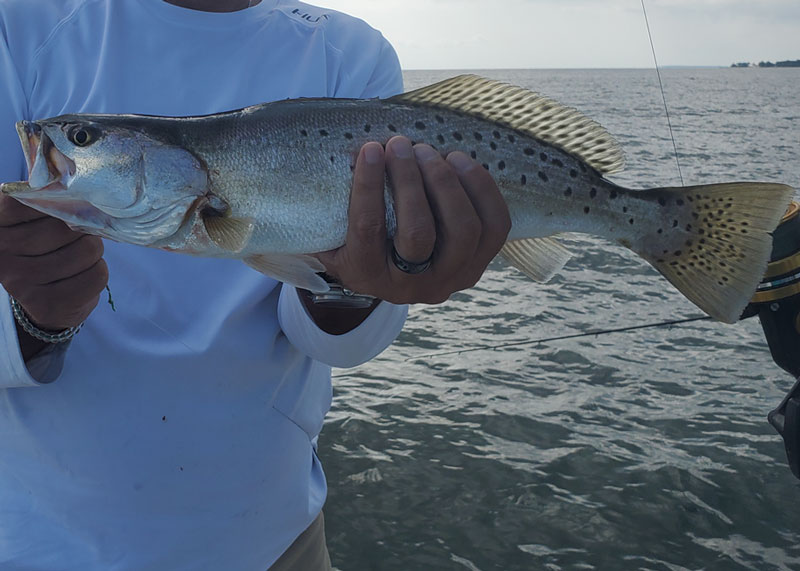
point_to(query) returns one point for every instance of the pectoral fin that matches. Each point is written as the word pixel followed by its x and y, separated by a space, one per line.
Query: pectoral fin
pixel 298 270
pixel 231 234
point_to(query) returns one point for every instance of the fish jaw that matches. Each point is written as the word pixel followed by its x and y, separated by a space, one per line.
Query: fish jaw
pixel 48 168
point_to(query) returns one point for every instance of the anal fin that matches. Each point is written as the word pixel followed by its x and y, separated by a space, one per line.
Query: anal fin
pixel 299 270
pixel 537 258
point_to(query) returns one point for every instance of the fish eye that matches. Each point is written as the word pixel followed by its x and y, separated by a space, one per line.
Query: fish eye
pixel 81 136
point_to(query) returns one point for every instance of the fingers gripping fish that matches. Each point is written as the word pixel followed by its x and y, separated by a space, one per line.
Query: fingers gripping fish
pixel 270 185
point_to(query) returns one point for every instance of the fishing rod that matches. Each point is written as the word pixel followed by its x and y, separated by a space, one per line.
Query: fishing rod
pixel 663 94
pixel 592 333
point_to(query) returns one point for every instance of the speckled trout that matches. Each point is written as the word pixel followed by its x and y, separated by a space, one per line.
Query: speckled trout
pixel 270 185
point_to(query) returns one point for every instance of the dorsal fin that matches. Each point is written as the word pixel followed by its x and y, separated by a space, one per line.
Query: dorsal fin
pixel 526 112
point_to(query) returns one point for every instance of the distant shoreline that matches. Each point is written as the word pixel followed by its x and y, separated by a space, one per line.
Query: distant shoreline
pixel 785 63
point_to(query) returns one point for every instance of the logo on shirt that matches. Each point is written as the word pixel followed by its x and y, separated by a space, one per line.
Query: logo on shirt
pixel 308 17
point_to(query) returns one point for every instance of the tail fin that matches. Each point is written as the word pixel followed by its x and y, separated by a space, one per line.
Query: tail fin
pixel 723 242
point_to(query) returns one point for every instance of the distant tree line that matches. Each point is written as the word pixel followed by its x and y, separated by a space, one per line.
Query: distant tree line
pixel 786 63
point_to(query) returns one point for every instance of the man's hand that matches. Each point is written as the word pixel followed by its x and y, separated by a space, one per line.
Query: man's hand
pixel 449 210
pixel 55 273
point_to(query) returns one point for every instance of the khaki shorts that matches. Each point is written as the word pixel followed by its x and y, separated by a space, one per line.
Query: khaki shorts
pixel 308 552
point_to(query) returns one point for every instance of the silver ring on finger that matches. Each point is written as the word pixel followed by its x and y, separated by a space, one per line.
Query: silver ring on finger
pixel 407 267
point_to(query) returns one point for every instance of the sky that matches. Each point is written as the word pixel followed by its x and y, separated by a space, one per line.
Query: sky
pixel 468 34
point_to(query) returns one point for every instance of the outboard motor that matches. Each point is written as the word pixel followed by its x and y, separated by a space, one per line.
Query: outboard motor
pixel 777 304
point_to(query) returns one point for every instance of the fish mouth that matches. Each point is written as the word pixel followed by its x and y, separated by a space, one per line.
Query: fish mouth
pixel 48 167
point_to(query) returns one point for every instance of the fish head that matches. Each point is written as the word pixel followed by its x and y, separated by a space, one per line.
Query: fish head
pixel 108 176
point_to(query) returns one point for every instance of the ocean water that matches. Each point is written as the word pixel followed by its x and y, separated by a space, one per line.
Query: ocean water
pixel 641 450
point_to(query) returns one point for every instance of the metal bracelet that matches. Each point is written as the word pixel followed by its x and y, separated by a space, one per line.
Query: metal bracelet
pixel 341 297
pixel 35 332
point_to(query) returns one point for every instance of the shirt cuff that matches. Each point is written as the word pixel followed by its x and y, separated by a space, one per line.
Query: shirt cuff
pixel 43 368
pixel 366 341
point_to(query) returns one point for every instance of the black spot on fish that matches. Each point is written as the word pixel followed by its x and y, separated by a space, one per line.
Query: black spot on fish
pixel 660 231
pixel 392 128
pixel 323 132
pixel 512 139
pixel 574 174
pixel 528 151
pixel 478 136
pixel 662 201
pixel 558 163
pixel 593 193
pixel 473 154
pixel 333 159
pixel 613 194
pixel 674 223
pixel 543 157
pixel 624 209
pixel 523 180
pixel 458 136
pixel 501 165
pixel 348 135
pixel 486 166
pixel 367 128
pixel 496 134
pixel 493 145
pixel 630 221
pixel 677 253
pixel 586 210
pixel 439 119
pixel 304 132
pixel 568 192
pixel 419 125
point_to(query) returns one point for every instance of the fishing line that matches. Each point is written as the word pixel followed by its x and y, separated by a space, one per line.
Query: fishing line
pixel 593 333
pixel 663 95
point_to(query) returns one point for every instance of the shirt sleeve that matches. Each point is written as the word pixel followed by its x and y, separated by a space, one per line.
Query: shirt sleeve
pixel 387 78
pixel 372 336
pixel 13 105
pixel 369 64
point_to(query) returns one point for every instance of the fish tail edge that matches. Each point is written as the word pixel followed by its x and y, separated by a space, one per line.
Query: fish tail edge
pixel 725 248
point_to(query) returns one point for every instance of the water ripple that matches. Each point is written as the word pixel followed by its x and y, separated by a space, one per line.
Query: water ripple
pixel 644 450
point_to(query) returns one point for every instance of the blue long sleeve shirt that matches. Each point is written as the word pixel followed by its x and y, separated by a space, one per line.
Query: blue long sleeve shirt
pixel 177 432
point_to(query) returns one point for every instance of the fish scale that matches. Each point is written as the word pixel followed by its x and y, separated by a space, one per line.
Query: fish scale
pixel 270 185
pixel 528 171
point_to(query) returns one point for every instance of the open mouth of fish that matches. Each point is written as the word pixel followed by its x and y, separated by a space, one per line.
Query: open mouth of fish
pixel 48 168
